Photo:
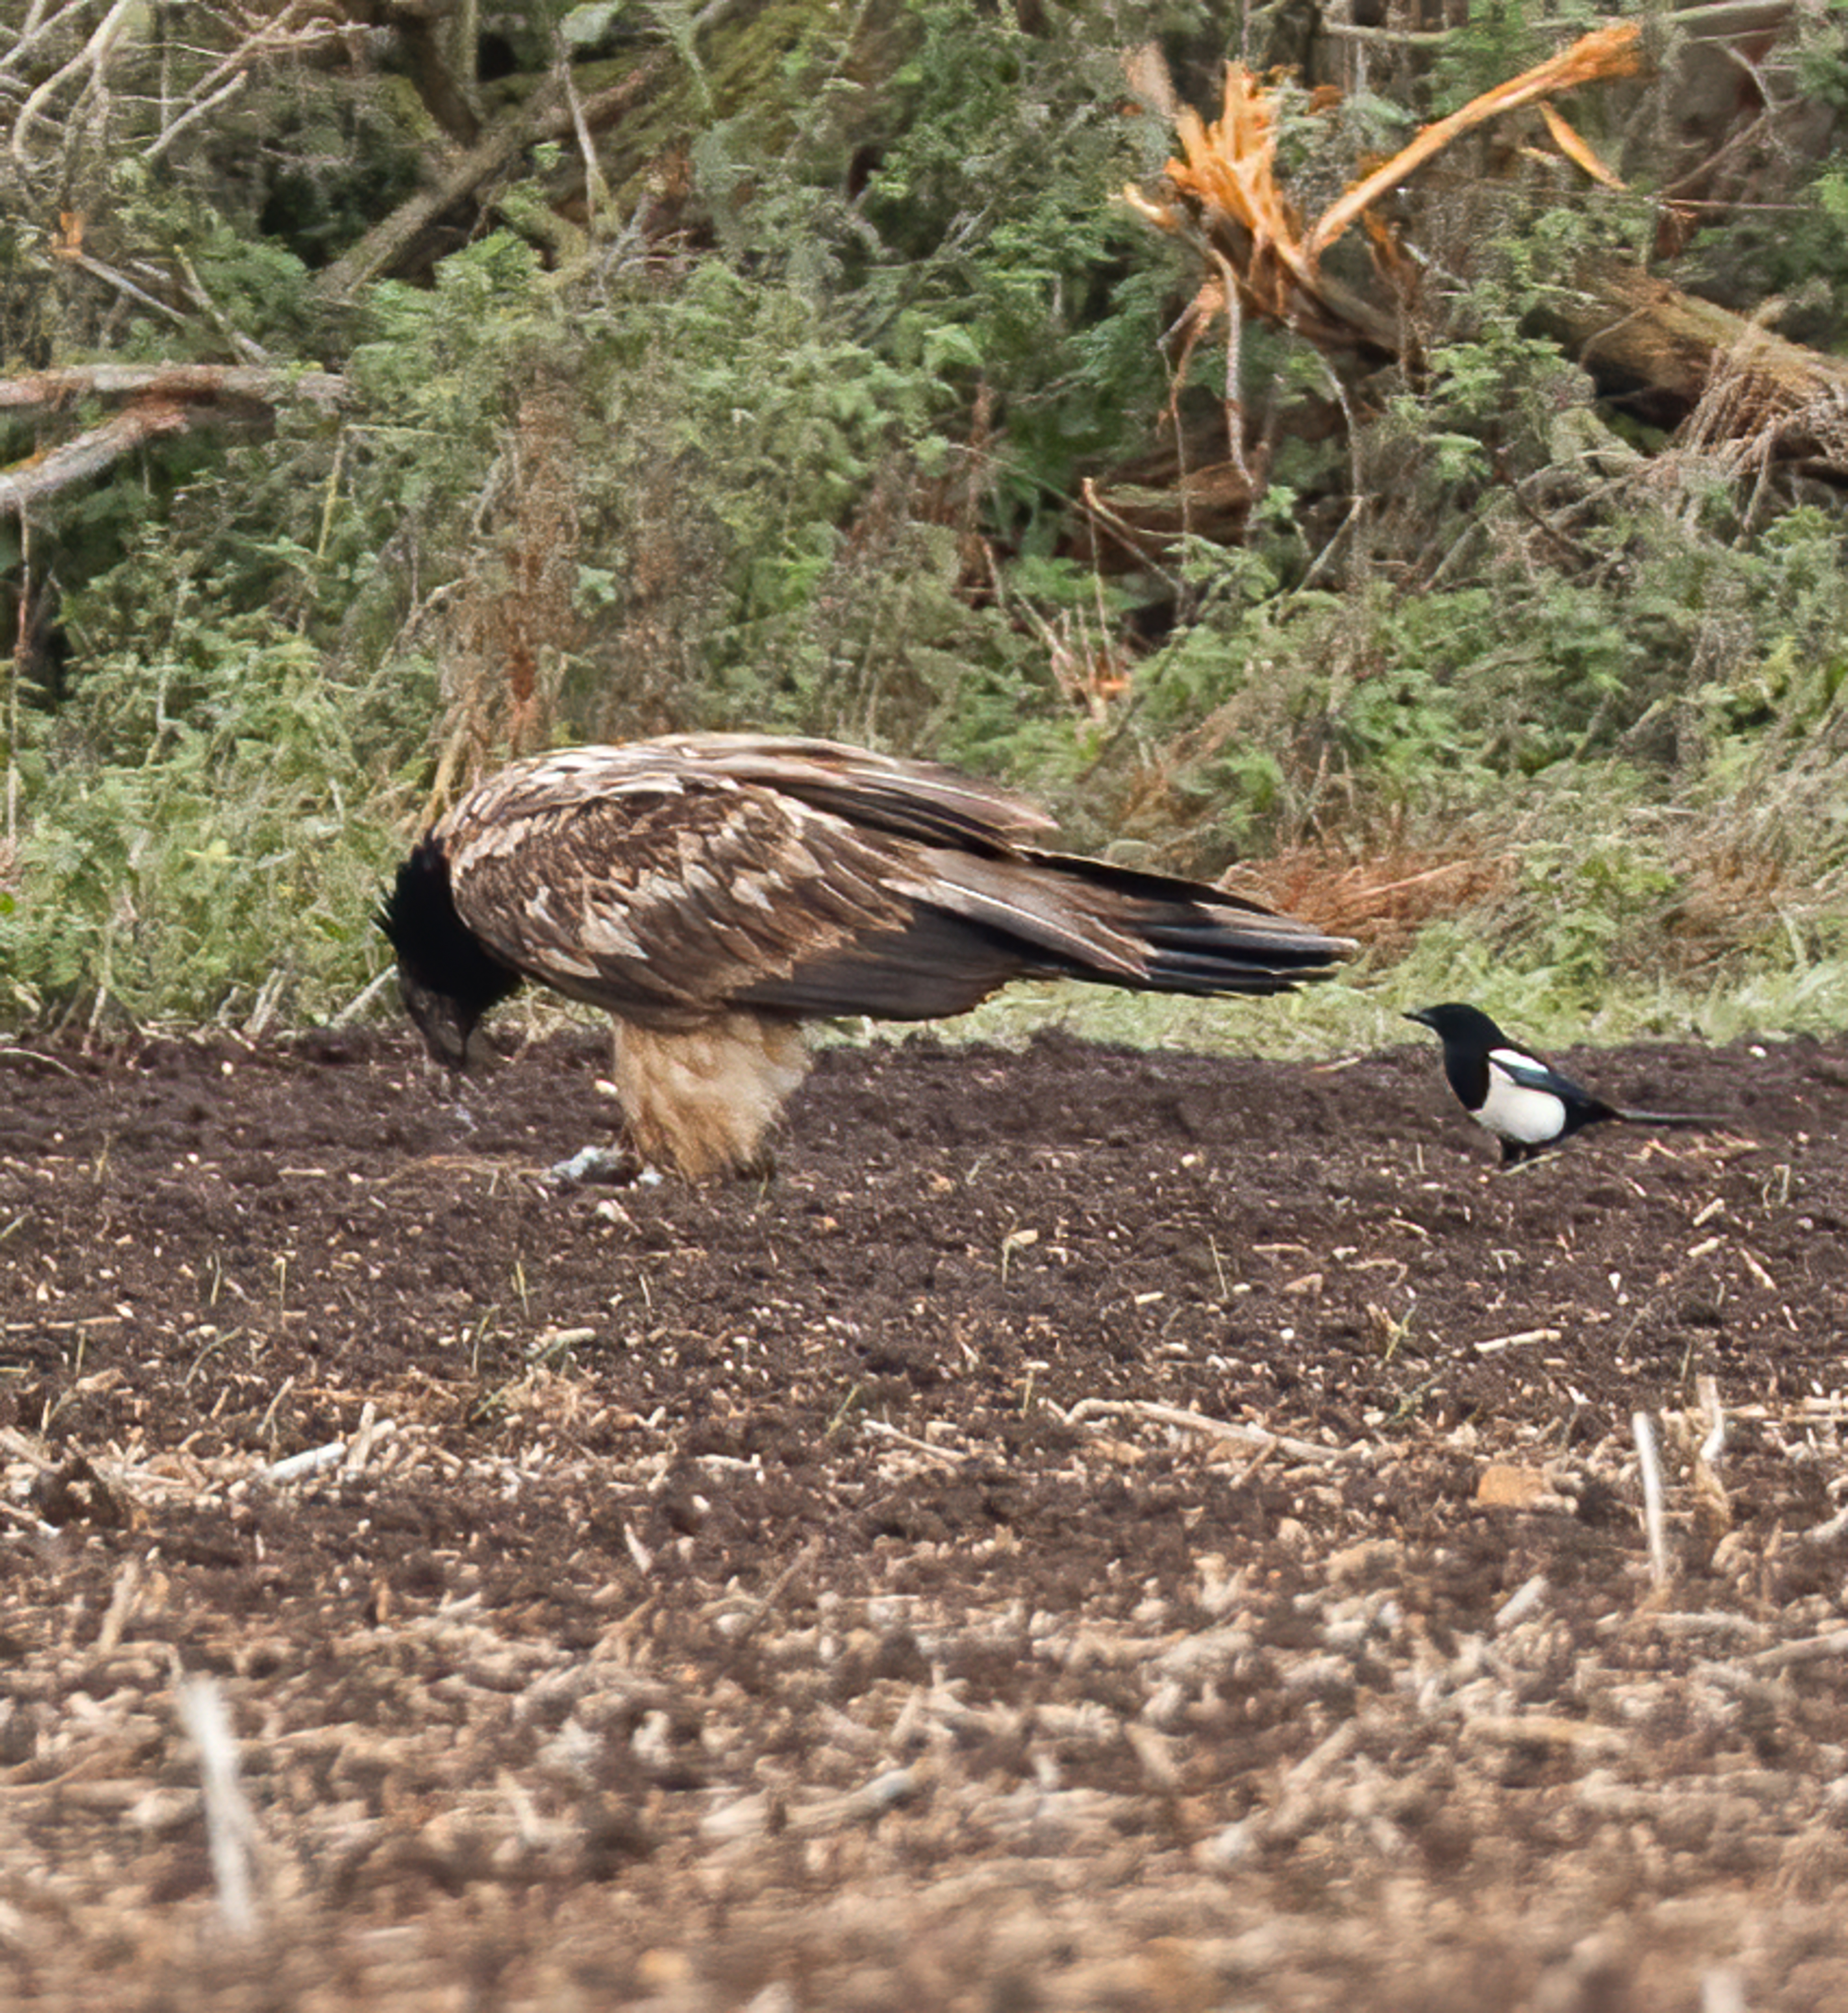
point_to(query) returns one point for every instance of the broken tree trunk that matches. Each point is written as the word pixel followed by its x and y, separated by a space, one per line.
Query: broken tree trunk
pixel 1791 400
pixel 1740 380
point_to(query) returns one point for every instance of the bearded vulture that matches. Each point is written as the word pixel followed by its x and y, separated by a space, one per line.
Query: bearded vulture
pixel 712 891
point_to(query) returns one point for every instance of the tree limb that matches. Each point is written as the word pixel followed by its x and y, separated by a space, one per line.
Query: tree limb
pixel 178 384
pixel 1793 398
pixel 94 54
pixel 90 454
pixel 1606 53
pixel 544 116
pixel 549 114
pixel 1772 397
pixel 167 399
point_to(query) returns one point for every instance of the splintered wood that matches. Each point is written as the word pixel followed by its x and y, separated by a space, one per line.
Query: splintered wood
pixel 1226 198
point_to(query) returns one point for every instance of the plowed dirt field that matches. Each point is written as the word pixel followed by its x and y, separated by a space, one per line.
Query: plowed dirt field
pixel 1100 1531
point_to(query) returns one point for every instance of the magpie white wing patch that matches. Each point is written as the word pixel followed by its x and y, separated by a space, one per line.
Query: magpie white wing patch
pixel 1516 1108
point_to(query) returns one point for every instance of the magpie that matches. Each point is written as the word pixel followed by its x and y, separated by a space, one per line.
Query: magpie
pixel 1525 1102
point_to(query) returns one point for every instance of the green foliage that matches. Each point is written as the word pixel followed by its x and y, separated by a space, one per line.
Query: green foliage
pixel 191 844
pixel 992 209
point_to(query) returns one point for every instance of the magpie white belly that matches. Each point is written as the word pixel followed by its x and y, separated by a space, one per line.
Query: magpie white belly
pixel 1515 1111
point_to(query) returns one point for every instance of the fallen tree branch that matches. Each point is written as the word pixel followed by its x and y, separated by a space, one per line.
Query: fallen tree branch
pixel 542 117
pixel 1780 399
pixel 1681 347
pixel 182 382
pixel 1225 199
pixel 90 454
pixel 166 398
pixel 552 113
pixel 1717 21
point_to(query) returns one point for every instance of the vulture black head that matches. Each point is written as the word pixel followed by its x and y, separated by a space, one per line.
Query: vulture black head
pixel 448 977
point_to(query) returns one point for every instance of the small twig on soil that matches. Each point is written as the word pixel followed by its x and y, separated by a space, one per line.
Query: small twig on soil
pixel 1811 1649
pixel 231 1830
pixel 557 1342
pixel 643 1558
pixel 1521 1602
pixel 885 1792
pixel 266 1423
pixel 121 1608
pixel 311 1460
pixel 9 1053
pixel 1707 1390
pixel 755 1620
pixel 1714 1624
pixel 22 1448
pixel 951 1455
pixel 1649 1463
pixel 362 999
pixel 1087 1409
pixel 359 1452
pixel 1525 1339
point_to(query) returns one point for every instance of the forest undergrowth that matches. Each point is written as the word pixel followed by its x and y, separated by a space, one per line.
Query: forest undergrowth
pixel 772 376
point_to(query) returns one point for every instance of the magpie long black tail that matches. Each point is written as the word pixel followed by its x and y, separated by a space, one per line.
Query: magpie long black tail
pixel 1688 1121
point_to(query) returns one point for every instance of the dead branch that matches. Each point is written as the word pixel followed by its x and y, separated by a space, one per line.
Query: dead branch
pixel 1226 197
pixel 179 383
pixel 1718 20
pixel 552 113
pixel 300 26
pixel 1225 200
pixel 1793 399
pixel 36 28
pixel 90 454
pixel 167 399
pixel 544 116
pixel 1605 54
pixel 90 62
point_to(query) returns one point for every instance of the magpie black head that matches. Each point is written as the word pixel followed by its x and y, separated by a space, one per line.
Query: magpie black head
pixel 447 977
pixel 1462 1027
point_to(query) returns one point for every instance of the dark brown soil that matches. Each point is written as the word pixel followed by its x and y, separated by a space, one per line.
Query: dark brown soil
pixel 882 1588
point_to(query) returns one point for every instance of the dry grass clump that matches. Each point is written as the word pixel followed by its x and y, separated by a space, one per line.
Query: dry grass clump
pixel 1733 894
pixel 1384 897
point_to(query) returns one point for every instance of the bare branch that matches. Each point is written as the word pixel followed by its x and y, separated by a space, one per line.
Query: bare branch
pixel 548 116
pixel 301 25
pixel 197 109
pixel 90 454
pixel 1606 53
pixel 169 397
pixel 36 30
pixel 178 382
pixel 1719 21
pixel 121 282
pixel 92 57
